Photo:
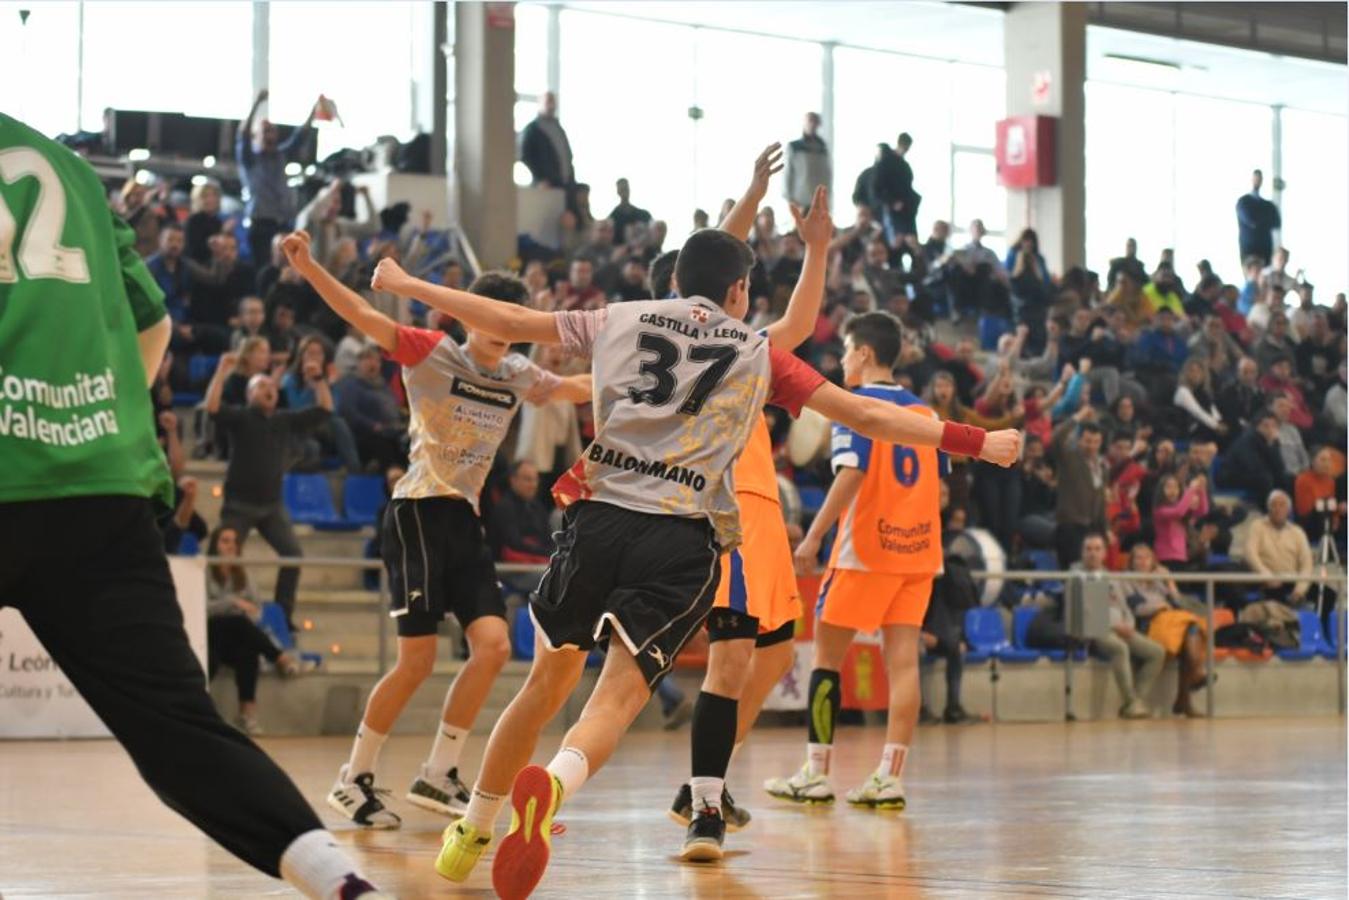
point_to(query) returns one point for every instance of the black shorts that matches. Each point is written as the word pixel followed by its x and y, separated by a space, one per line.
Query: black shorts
pixel 438 563
pixel 725 624
pixel 649 579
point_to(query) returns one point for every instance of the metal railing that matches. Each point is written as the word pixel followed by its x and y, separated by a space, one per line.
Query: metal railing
pixel 1210 580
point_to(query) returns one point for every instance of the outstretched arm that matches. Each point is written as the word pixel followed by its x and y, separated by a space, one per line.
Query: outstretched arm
pixel 816 229
pixel 505 321
pixel 575 389
pixel 740 219
pixel 884 421
pixel 348 304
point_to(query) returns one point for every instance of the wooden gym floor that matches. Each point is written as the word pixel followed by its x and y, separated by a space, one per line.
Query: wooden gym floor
pixel 1230 808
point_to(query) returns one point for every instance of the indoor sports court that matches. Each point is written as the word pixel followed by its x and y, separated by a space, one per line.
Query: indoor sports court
pixel 599 448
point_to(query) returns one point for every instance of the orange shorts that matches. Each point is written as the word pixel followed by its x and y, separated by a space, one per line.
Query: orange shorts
pixel 867 600
pixel 758 577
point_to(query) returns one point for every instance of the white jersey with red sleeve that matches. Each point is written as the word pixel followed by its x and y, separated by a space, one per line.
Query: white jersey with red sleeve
pixel 679 385
pixel 460 412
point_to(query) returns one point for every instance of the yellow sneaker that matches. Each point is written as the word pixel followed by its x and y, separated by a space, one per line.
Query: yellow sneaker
pixel 464 846
pixel 523 854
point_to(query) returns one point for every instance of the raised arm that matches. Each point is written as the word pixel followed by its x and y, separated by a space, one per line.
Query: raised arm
pixel 222 372
pixel 348 304
pixel 884 421
pixel 740 219
pixel 244 135
pixel 816 229
pixel 505 321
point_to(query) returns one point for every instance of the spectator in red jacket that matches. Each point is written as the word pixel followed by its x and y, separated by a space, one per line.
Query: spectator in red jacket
pixel 1279 380
pixel 518 528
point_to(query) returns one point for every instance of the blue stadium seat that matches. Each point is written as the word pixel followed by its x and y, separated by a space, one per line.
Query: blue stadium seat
pixel 274 623
pixel 186 398
pixel 991 328
pixel 362 498
pixel 309 500
pixel 1333 639
pixel 201 367
pixel 985 634
pixel 522 634
pixel 1310 642
pixel 1021 619
pixel 812 498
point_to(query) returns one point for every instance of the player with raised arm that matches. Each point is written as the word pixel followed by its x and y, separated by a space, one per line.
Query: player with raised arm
pixel 651 508
pixel 884 559
pixel 82 333
pixel 753 618
pixel 463 398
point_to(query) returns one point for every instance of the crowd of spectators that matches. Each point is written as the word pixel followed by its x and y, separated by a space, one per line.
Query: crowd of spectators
pixel 1156 414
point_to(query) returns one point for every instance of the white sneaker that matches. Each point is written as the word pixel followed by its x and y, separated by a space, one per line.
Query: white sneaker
pixel 445 794
pixel 359 800
pixel 801 788
pixel 879 792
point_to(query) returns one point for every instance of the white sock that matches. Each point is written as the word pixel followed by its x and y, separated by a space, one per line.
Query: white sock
pixel 316 866
pixel 483 809
pixel 706 793
pixel 817 758
pixel 570 767
pixel 365 751
pixel 449 743
pixel 892 760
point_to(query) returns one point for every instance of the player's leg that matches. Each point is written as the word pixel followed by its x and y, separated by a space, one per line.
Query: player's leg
pixel 901 625
pixel 102 603
pixel 470 583
pixel 552 678
pixel 774 653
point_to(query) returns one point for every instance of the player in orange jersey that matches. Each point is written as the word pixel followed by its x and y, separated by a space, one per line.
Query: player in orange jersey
pixel 886 499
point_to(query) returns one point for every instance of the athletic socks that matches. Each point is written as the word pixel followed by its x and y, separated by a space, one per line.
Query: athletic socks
pixel 892 761
pixel 317 868
pixel 483 809
pixel 713 735
pixel 707 793
pixel 365 751
pixel 824 699
pixel 571 768
pixel 449 743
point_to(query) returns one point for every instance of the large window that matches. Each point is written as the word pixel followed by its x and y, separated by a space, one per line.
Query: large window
pixel 1315 218
pixel 185 58
pixel 360 55
pixel 39 65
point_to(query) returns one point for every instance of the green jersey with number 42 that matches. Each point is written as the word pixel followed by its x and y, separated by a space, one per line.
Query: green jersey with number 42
pixel 75 417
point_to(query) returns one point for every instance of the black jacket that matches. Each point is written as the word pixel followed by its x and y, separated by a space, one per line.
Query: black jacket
pixel 1252 464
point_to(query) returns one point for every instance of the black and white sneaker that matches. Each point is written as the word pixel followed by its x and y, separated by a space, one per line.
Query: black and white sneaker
pixel 359 800
pixel 681 811
pixel 705 835
pixel 446 795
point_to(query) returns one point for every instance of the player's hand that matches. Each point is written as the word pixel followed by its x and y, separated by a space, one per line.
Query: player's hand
pixel 1001 448
pixel 246 607
pixel 188 485
pixel 766 166
pixel 816 227
pixel 390 277
pixel 296 247
pixel 262 95
pixel 807 555
pixel 168 421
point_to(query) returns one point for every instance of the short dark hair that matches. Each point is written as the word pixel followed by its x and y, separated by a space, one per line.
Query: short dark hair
pixel 1095 534
pixel 1262 416
pixel 880 331
pixel 710 262
pixel 501 286
pixel 170 226
pixel 661 274
pixel 905 138
pixel 1089 428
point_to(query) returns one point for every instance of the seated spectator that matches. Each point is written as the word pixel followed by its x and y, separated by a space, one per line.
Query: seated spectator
pixel 1129 264
pixel 1275 343
pixel 1174 621
pixel 1203 421
pixel 1279 380
pixel 1319 500
pixel 281 333
pixel 1035 522
pixel 1124 417
pixel 1319 354
pixel 1126 476
pixel 941 396
pixel 1277 545
pixel 1271 301
pixel 518 528
pixel 204 222
pixel 1076 451
pixel 1240 401
pixel 1250 290
pixel 581 292
pixel 217 289
pixel 233 637
pixel 1253 463
pixel 1032 287
pixel 1296 460
pixel 1276 273
pixel 252 319
pixel 1124 645
pixel 315 357
pixel 1175 515
pixel 1158 356
pixel 954 593
pixel 1336 407
pixel 253 357
pixel 1216 348
pixel 1128 297
pixel 260 439
pixel 368 406
pixel 170 273
pixel 633 285
pixel 348 352
pixel 1164 291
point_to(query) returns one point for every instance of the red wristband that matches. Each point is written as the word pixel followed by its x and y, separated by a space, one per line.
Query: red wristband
pixel 962 440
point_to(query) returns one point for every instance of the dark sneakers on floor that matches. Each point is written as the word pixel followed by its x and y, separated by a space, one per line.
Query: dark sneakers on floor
pixel 706 833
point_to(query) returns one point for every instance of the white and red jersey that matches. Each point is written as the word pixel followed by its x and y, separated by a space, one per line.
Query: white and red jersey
pixel 679 386
pixel 460 412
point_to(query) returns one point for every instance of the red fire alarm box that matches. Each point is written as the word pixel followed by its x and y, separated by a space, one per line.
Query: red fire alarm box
pixel 1025 152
